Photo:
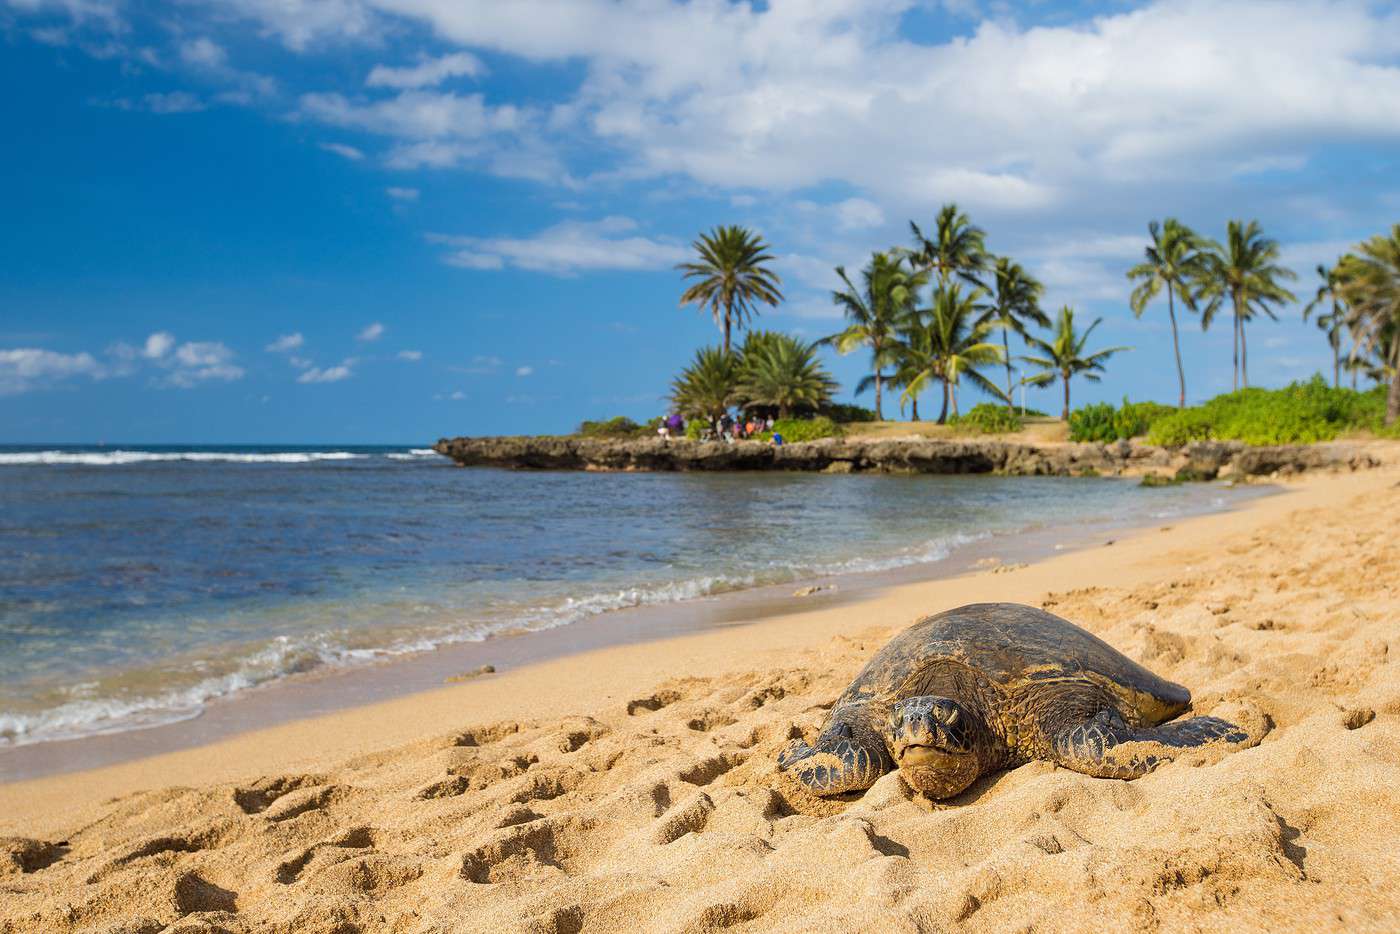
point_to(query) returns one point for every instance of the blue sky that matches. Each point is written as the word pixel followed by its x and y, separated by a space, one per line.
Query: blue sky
pixel 390 220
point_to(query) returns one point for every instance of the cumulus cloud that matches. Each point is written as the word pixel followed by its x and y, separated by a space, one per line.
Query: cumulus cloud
pixel 524 370
pixel 402 194
pixel 372 332
pixel 427 73
pixel 330 374
pixel 203 52
pixel 566 248
pixel 200 361
pixel 412 356
pixel 158 345
pixel 286 343
pixel 27 368
pixel 160 102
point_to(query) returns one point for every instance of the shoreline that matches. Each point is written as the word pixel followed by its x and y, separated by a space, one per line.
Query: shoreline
pixel 335 689
pixel 378 722
pixel 1199 460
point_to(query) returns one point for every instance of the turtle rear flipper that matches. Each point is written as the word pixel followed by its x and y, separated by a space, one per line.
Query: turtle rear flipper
pixel 843 759
pixel 1107 747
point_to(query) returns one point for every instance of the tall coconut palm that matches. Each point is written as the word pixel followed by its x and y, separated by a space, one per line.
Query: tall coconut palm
pixel 707 387
pixel 1064 355
pixel 780 371
pixel 946 344
pixel 957 248
pixel 1333 322
pixel 874 312
pixel 1370 286
pixel 732 277
pixel 1015 305
pixel 1245 272
pixel 1173 264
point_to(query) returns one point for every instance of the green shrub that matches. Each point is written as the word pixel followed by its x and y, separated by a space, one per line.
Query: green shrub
pixel 619 427
pixel 1102 422
pixel 988 418
pixel 1300 413
pixel 842 414
pixel 695 429
pixel 804 429
pixel 1093 423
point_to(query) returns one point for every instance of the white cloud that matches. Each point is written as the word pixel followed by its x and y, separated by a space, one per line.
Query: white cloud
pixel 418 115
pixel 203 52
pixel 457 396
pixel 27 368
pixel 371 332
pixel 402 194
pixel 428 72
pixel 412 356
pixel 200 361
pixel 859 214
pixel 301 363
pixel 524 370
pixel 566 248
pixel 331 374
pixel 344 151
pixel 286 343
pixel 158 345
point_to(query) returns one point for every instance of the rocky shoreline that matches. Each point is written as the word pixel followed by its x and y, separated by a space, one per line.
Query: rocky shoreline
pixel 1205 460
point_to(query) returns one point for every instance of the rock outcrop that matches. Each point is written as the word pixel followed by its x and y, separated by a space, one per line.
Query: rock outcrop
pixel 1204 460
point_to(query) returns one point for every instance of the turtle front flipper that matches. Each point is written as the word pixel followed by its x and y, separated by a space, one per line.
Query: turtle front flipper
pixel 848 756
pixel 1105 746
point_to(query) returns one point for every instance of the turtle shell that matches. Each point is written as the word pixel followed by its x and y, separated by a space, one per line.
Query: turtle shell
pixel 1013 646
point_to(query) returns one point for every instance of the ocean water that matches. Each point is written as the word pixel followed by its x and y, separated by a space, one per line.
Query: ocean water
pixel 138 584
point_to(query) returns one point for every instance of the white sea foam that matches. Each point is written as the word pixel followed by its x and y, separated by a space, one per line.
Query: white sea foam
pixel 413 454
pixel 286 656
pixel 120 457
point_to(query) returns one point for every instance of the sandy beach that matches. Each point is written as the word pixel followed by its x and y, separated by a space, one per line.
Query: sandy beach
pixel 635 787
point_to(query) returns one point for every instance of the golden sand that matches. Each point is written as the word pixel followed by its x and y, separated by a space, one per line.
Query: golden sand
pixel 634 788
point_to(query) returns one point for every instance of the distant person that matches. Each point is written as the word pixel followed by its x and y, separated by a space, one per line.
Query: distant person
pixel 777 440
pixel 676 424
pixel 769 423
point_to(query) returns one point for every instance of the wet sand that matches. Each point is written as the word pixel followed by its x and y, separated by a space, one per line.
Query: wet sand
pixel 633 786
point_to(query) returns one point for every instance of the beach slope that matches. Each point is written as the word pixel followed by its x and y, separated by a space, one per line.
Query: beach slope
pixel 634 788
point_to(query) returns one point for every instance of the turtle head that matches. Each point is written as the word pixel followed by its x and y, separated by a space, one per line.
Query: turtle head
pixel 934 742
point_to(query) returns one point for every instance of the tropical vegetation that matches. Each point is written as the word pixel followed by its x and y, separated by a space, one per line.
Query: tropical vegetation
pixel 945 344
pixel 875 312
pixel 733 275
pixel 1370 287
pixel 1066 355
pixel 1243 272
pixel 1174 264
pixel 778 371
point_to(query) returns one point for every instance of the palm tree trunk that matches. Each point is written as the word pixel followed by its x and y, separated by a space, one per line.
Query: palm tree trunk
pixel 726 331
pixel 914 409
pixel 1064 374
pixel 1336 367
pixel 1392 401
pixel 1244 357
pixel 1176 346
pixel 1006 349
pixel 953 391
pixel 943 415
pixel 1236 325
pixel 879 416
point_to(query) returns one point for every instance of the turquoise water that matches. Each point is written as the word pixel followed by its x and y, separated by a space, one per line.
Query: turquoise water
pixel 137 584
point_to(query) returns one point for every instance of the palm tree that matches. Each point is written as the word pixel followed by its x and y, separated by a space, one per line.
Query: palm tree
pixel 1370 286
pixel 1064 355
pixel 875 311
pixel 1333 322
pixel 957 248
pixel 732 276
pixel 707 387
pixel 1015 304
pixel 1173 263
pixel 783 372
pixel 950 342
pixel 1246 272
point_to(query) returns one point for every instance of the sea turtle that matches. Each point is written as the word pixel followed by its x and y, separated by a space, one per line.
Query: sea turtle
pixel 990 686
